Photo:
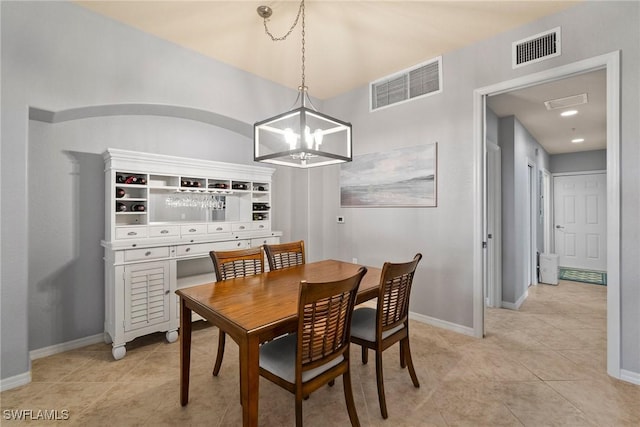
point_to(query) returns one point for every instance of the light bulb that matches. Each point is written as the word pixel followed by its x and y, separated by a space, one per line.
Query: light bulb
pixel 308 137
pixel 290 138
pixel 317 135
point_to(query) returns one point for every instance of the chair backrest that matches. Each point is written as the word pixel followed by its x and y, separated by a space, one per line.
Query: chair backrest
pixel 324 320
pixel 395 290
pixel 285 255
pixel 238 263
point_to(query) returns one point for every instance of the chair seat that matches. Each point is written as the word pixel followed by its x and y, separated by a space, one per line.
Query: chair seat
pixel 279 358
pixel 363 325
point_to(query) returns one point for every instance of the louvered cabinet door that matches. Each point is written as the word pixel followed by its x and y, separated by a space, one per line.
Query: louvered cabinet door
pixel 146 294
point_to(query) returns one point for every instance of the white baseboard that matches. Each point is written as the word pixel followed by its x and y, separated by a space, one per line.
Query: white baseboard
pixel 517 304
pixel 15 381
pixel 629 376
pixel 25 378
pixel 66 346
pixel 441 324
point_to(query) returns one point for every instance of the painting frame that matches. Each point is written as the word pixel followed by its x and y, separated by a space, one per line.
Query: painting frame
pixel 402 177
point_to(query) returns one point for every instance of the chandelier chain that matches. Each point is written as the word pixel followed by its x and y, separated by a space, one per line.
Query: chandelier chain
pixel 278 39
pixel 303 51
pixel 301 13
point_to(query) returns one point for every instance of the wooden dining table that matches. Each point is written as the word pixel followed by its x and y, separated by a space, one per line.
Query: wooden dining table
pixel 255 309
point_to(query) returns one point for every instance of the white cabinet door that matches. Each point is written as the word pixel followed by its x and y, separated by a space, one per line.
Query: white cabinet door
pixel 146 294
pixel 580 203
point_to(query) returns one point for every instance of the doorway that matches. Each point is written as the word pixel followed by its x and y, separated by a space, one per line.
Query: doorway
pixel 611 63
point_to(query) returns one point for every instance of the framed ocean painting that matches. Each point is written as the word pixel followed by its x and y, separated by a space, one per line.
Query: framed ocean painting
pixel 404 177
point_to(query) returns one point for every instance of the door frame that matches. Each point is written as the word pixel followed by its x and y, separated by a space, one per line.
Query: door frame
pixel 610 62
pixel 532 277
pixel 546 193
pixel 494 242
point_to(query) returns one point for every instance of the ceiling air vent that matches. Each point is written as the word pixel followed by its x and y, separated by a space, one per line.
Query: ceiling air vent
pixel 569 101
pixel 422 80
pixel 536 48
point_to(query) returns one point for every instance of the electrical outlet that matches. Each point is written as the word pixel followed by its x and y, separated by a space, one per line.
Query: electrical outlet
pixel 340 219
pixel 354 260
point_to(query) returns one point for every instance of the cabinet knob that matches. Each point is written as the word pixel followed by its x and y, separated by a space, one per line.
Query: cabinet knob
pixel 241 227
pixel 239 244
pixel 192 230
pixel 164 231
pixel 219 229
pixel 166 292
pixel 187 250
pixel 147 253
pixel 261 226
pixel 132 233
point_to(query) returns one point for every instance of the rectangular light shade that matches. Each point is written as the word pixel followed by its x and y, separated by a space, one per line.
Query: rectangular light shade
pixel 302 138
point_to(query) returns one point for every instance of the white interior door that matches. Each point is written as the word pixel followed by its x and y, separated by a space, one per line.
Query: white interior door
pixel 580 220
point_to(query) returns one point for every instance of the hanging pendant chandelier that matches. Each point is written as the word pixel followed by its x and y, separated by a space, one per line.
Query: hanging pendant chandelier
pixel 301 137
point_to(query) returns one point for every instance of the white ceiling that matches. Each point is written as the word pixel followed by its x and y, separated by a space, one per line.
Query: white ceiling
pixel 551 130
pixel 348 43
pixel 351 43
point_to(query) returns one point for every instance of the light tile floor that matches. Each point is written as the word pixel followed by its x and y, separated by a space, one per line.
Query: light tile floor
pixel 543 365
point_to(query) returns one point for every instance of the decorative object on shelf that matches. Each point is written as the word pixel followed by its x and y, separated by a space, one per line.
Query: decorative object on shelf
pixel 220 185
pixel 300 137
pixel 404 177
pixel 239 186
pixel 121 207
pixel 260 207
pixel 190 183
pixel 133 179
pixel 120 193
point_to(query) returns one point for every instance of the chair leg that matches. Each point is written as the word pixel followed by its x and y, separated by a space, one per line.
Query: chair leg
pixel 403 362
pixel 332 383
pixel 365 355
pixel 221 340
pixel 407 352
pixel 298 410
pixel 348 396
pixel 380 381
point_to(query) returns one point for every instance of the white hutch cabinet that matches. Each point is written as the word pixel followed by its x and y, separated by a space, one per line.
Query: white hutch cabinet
pixel 164 215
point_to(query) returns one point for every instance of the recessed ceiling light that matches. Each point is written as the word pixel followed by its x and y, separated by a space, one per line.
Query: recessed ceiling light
pixel 569 113
pixel 577 140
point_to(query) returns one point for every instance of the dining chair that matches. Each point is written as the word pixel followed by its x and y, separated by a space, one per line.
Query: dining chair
pixel 381 327
pixel 229 265
pixel 285 255
pixel 318 352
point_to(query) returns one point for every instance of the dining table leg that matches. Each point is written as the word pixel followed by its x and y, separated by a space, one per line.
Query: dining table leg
pixel 250 380
pixel 185 351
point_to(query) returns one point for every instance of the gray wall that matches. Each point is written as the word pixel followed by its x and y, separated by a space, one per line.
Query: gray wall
pixel 444 283
pixel 58 56
pixel 577 162
pixel 519 149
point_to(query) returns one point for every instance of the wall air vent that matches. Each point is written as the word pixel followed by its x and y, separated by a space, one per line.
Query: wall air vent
pixel 422 80
pixel 536 48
